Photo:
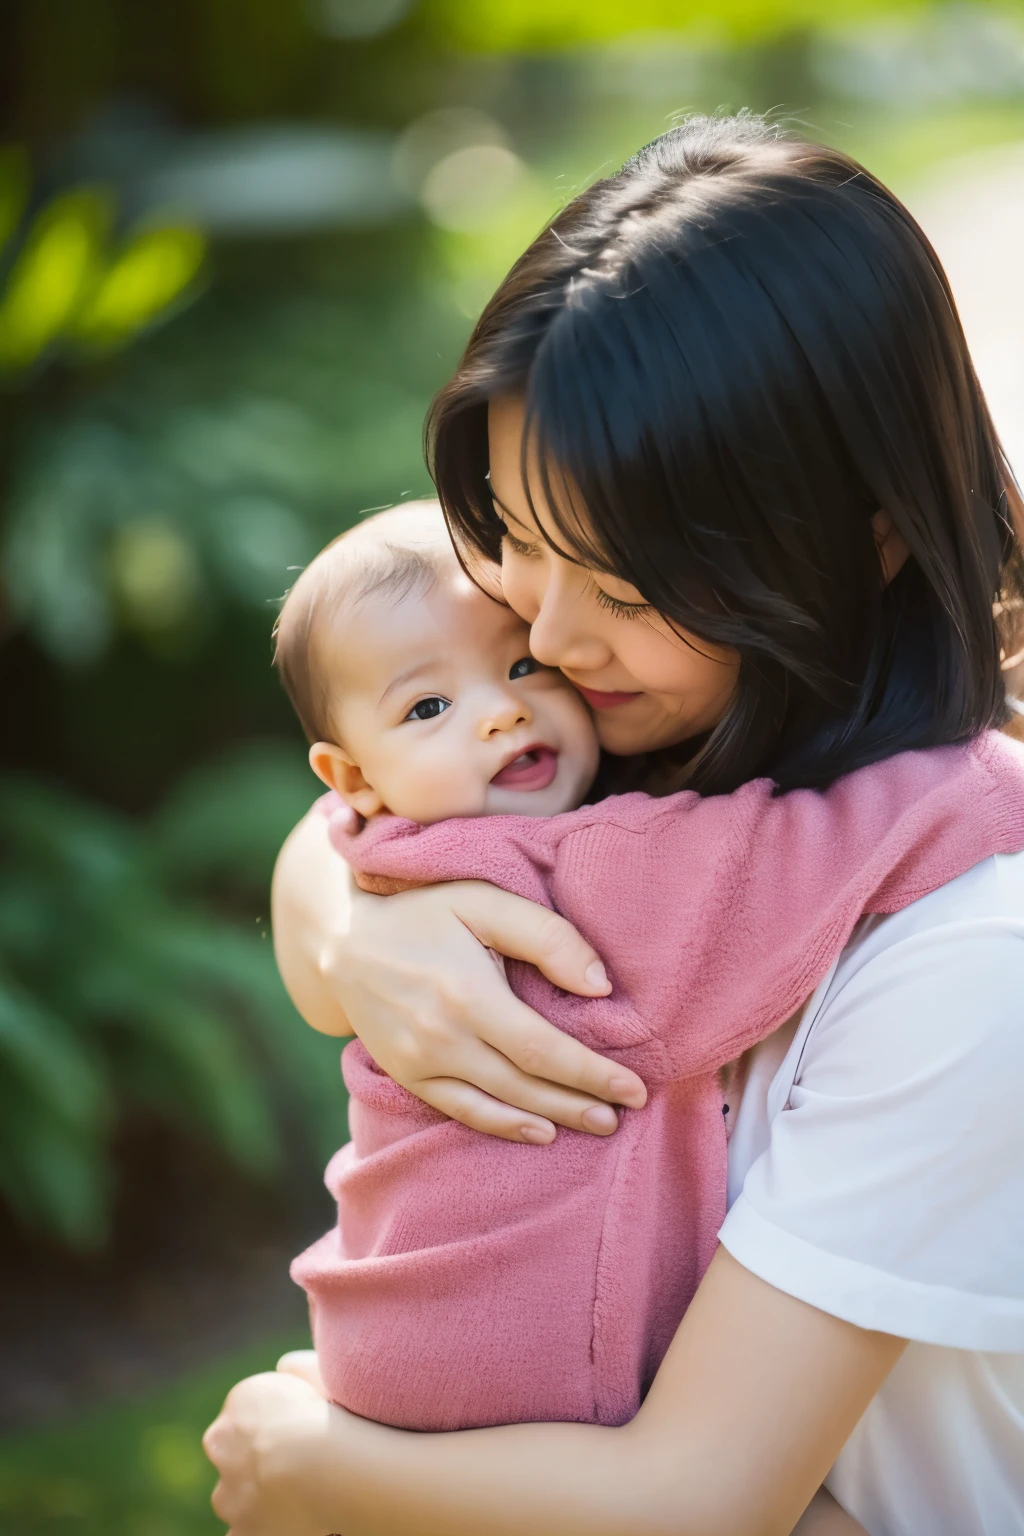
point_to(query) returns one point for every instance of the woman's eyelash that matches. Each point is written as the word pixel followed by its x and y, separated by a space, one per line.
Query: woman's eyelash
pixel 516 545
pixel 616 605
pixel 613 604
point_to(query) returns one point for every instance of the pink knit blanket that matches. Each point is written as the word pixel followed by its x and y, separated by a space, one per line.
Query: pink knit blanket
pixel 472 1281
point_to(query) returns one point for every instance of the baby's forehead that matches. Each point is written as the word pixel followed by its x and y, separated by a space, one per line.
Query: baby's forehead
pixel 405 616
pixel 443 607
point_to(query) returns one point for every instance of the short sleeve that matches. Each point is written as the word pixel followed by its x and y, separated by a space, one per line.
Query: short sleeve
pixel 891 1193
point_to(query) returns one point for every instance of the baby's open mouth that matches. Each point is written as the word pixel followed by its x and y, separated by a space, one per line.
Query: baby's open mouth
pixel 533 769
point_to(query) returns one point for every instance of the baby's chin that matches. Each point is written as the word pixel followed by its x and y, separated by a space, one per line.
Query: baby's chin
pixel 542 802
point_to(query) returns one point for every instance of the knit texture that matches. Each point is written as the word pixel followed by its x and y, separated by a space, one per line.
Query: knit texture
pixel 472 1281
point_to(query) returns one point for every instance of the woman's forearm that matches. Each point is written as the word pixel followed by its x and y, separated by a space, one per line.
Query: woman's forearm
pixel 573 1479
pixel 569 1479
pixel 311 903
pixel 753 1402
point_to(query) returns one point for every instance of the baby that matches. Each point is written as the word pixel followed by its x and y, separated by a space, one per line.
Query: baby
pixel 418 691
pixel 472 1281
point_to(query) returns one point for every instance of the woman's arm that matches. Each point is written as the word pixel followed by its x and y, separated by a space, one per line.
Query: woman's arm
pixel 755 1399
pixel 410 974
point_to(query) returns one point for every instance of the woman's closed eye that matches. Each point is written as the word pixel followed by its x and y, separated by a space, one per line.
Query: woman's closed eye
pixel 616 605
pixel 517 546
pixel 428 708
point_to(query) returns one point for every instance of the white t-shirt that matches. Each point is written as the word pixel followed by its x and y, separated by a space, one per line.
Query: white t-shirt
pixel 876 1170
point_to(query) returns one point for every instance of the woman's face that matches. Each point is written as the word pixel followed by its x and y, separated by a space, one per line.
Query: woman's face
pixel 649 685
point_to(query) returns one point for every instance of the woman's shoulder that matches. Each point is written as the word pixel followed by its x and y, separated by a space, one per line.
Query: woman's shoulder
pixel 978 908
pixel 944 974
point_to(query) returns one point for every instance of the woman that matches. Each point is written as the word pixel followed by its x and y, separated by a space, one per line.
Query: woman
pixel 720 427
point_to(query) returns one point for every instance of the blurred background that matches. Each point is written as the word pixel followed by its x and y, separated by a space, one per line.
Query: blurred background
pixel 241 243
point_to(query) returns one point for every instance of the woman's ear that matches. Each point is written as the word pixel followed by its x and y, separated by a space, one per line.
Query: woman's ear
pixel 337 770
pixel 893 552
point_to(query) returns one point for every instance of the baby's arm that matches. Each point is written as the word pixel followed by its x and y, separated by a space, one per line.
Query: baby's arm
pixel 389 854
pixel 717 916
pixel 639 877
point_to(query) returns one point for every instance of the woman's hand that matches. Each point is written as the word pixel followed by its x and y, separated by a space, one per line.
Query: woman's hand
pixel 433 1009
pixel 266 1444
pixel 411 975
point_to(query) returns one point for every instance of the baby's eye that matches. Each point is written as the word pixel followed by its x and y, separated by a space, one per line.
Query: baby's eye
pixel 523 667
pixel 429 709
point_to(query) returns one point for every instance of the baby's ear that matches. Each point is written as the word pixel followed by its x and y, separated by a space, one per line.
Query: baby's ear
pixel 334 766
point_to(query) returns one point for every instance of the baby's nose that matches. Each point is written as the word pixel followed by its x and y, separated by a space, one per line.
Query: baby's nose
pixel 502 713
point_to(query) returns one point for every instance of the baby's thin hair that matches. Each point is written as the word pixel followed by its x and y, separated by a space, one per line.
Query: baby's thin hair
pixel 348 571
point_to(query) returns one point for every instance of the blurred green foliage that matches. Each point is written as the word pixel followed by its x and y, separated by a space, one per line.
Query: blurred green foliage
pixel 503 26
pixel 135 1471
pixel 67 282
pixel 121 986
pixel 210 166
pixel 216 461
pixel 527 24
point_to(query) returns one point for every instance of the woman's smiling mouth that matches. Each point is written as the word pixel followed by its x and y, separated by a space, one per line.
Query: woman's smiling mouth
pixel 598 700
pixel 533 769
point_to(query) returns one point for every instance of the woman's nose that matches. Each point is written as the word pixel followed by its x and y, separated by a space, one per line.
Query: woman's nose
pixel 503 712
pixel 559 636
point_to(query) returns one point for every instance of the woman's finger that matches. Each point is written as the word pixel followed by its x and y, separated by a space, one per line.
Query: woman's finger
pixel 542 1053
pixel 525 931
pixel 471 1106
pixel 498 1077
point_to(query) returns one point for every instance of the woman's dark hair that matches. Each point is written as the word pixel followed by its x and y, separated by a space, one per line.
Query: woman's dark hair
pixel 733 353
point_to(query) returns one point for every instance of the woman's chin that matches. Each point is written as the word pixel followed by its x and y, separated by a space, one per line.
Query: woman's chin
pixel 623 737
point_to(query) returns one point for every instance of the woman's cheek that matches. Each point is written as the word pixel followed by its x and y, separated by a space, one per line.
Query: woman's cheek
pixel 688 669
pixel 660 662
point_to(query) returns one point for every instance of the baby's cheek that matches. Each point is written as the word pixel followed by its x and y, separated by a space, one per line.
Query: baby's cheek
pixel 582 733
pixel 439 783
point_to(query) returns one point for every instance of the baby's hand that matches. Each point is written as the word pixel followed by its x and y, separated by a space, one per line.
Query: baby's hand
pixel 376 885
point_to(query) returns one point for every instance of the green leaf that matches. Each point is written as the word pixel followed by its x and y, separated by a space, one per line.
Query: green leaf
pixel 51 273
pixel 43 1056
pixel 186 1060
pixel 54 1175
pixel 526 25
pixel 147 274
pixel 121 988
pixel 230 817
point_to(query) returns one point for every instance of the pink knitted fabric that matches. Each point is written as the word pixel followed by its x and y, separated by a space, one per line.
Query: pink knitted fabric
pixel 471 1281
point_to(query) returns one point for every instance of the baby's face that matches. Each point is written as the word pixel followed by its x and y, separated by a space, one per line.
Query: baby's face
pixel 446 713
